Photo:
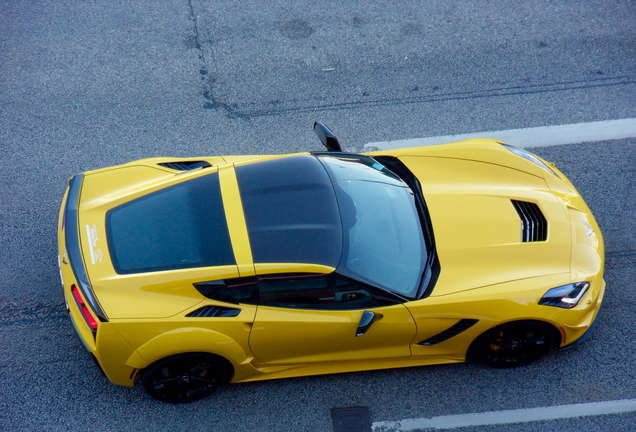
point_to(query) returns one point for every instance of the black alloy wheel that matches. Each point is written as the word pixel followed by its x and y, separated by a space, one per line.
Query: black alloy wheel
pixel 184 377
pixel 514 344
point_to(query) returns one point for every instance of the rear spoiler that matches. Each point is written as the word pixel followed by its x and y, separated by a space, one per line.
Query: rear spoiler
pixel 72 240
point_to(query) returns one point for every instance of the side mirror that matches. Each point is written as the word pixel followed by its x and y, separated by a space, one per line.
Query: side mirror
pixel 327 138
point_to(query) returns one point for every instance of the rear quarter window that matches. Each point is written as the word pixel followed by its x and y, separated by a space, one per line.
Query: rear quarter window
pixel 179 227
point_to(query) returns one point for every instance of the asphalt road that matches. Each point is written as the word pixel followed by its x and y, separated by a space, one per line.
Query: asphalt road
pixel 90 84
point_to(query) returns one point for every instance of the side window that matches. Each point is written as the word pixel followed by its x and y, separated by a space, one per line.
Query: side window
pixel 310 291
pixel 244 290
pixel 237 290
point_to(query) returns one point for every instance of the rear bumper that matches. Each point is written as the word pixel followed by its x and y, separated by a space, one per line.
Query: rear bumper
pixel 77 332
pixel 105 346
pixel 79 336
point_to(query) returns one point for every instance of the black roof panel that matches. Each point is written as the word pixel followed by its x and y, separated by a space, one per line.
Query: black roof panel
pixel 291 211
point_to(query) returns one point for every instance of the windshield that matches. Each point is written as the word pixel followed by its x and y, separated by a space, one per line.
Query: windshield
pixel 383 240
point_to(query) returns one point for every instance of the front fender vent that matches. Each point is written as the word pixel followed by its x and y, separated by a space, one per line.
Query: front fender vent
pixel 456 329
pixel 214 312
pixel 185 165
pixel 534 227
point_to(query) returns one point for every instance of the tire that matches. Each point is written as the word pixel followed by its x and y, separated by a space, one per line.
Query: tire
pixel 184 378
pixel 514 344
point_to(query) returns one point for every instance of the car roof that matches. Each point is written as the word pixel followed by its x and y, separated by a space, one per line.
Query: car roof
pixel 291 211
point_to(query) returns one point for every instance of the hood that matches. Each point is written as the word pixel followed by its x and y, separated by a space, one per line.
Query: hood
pixel 477 229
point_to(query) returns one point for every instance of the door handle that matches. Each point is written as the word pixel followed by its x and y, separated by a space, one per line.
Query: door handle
pixel 365 322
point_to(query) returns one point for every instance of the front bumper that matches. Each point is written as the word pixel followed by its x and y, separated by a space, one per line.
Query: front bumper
pixel 577 334
pixel 588 332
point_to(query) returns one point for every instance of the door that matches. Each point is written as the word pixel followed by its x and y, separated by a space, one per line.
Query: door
pixel 323 318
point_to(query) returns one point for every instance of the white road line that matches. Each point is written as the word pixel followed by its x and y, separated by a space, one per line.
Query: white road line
pixel 510 416
pixel 530 137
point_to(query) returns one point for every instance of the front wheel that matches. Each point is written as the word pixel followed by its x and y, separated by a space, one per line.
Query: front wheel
pixel 514 344
pixel 184 377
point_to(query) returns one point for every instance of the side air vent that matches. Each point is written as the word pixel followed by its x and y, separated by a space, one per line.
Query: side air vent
pixel 185 165
pixel 459 327
pixel 534 227
pixel 214 312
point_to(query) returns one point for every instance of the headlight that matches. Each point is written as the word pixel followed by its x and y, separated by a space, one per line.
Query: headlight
pixel 528 156
pixel 566 296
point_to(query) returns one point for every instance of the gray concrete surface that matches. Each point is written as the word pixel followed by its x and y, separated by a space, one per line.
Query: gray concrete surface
pixel 90 84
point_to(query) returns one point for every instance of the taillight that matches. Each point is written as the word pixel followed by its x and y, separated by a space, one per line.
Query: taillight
pixel 76 294
pixel 90 320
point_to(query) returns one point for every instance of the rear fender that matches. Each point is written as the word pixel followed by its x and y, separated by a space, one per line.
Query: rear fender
pixel 186 340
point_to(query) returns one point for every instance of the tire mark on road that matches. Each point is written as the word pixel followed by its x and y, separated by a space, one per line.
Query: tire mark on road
pixel 17 313
pixel 620 253
pixel 620 259
pixel 241 110
pixel 492 92
pixel 246 110
pixel 43 362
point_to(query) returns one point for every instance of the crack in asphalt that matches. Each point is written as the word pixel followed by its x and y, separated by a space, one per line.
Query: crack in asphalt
pixel 209 83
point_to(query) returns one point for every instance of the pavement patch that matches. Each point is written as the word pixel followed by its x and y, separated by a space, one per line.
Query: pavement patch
pixel 351 419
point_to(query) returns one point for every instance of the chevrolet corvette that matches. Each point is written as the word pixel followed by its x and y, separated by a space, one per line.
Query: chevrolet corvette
pixel 186 274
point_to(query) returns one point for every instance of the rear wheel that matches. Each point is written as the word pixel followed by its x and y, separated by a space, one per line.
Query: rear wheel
pixel 184 377
pixel 514 344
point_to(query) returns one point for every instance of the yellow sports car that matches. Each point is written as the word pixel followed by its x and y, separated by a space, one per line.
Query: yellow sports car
pixel 190 273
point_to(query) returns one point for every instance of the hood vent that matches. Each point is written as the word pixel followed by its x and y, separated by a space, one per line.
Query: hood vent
pixel 214 311
pixel 534 227
pixel 185 165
